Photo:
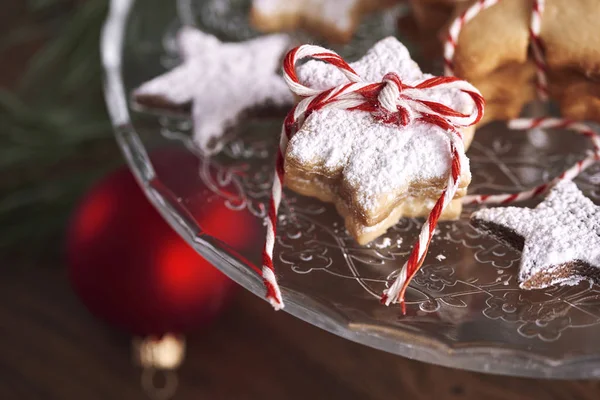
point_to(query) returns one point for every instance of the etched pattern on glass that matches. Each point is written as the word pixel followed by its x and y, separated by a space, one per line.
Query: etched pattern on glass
pixel 312 240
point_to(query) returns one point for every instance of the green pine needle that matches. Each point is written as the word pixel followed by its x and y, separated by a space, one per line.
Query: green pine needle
pixel 55 137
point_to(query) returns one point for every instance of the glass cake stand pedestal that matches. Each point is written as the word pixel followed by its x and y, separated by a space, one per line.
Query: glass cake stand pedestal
pixel 464 307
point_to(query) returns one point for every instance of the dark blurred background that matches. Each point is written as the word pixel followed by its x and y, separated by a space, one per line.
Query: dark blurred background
pixel 55 142
pixel 55 137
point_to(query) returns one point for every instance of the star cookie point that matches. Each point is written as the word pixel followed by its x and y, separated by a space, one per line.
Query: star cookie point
pixel 220 81
pixel 374 172
pixel 560 238
pixel 360 144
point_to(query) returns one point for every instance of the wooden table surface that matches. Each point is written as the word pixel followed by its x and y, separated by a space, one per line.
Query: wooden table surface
pixel 51 348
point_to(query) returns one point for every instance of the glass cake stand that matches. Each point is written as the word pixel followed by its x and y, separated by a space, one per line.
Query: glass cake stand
pixel 465 309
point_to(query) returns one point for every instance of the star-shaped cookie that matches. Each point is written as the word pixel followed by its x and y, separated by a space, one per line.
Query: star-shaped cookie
pixel 560 238
pixel 493 53
pixel 335 20
pixel 374 172
pixel 220 80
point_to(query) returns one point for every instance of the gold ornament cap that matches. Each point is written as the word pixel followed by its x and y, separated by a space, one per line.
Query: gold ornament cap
pixel 166 352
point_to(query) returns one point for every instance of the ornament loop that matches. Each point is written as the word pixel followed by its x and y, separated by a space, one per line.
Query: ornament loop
pixel 168 389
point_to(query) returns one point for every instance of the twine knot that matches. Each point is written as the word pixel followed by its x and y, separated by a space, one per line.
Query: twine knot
pixel 391 101
pixel 394 109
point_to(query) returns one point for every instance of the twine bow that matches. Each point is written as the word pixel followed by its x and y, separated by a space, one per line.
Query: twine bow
pixel 389 101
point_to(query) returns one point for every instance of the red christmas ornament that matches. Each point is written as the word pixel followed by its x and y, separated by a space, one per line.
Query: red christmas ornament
pixel 133 270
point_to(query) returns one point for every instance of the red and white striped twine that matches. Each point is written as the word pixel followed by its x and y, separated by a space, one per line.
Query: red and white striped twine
pixel 542 88
pixel 535 25
pixel 390 101
pixel 408 270
pixel 568 174
pixel 537 48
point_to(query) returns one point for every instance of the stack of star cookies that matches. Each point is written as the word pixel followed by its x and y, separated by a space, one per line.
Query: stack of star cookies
pixel 376 173
pixel 493 53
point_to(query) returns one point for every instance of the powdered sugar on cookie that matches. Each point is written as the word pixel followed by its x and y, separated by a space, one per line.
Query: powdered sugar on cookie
pixel 387 55
pixel 562 230
pixel 220 80
pixel 375 161
pixel 369 200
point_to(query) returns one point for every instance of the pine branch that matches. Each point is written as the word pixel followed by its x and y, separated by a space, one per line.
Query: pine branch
pixel 55 137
